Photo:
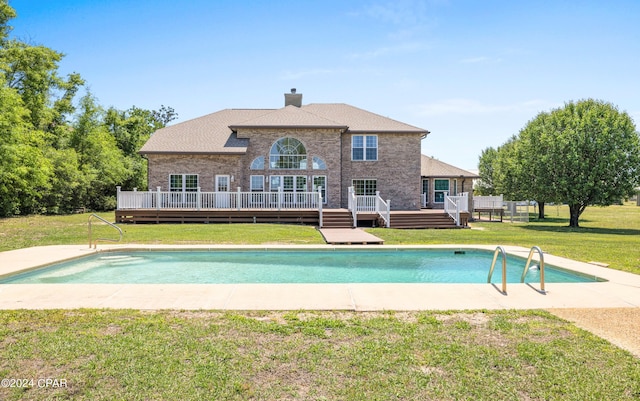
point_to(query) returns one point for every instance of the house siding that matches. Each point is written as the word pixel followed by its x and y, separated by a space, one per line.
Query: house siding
pixel 397 169
pixel 206 166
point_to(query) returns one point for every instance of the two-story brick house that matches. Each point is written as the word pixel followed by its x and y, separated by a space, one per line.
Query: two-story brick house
pixel 297 147
pixel 235 164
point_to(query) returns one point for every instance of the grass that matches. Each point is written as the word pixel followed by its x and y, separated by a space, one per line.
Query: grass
pixel 608 235
pixel 178 355
pixel 181 355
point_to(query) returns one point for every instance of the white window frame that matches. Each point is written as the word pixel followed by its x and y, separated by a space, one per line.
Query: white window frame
pixel 367 188
pixel 220 177
pixel 282 157
pixel 256 179
pixel 295 183
pixel 425 190
pixel 184 178
pixel 323 191
pixel 257 163
pixel 365 147
pixel 436 191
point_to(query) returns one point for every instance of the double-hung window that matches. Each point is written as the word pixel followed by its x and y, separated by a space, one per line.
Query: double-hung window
pixel 364 147
pixel 257 183
pixel 440 188
pixel 365 187
pixel 183 182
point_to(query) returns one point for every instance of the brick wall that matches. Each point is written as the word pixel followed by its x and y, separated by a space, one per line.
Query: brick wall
pixel 397 169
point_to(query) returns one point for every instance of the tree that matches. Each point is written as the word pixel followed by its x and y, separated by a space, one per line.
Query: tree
pixel 486 165
pixel 24 171
pixel 99 158
pixel 585 153
pixel 131 129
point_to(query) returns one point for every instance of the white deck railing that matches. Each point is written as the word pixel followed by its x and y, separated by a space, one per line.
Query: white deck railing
pixel 454 205
pixel 369 203
pixel 218 200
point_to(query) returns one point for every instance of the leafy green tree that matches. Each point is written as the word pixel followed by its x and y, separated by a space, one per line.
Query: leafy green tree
pixel 131 129
pixel 24 171
pixel 7 13
pixel 585 153
pixel 53 157
pixel 486 170
pixel 99 158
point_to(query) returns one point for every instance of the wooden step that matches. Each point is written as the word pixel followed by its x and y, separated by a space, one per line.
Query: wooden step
pixel 336 219
pixel 421 220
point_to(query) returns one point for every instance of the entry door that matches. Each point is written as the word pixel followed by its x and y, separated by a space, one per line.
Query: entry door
pixel 425 192
pixel 223 196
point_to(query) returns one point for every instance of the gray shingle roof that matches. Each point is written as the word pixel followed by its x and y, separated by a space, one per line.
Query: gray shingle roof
pixel 206 134
pixel 291 117
pixel 214 133
pixel 359 120
pixel 430 167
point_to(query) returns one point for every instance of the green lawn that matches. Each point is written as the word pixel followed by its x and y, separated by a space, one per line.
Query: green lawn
pixel 209 355
pixel 608 235
pixel 197 355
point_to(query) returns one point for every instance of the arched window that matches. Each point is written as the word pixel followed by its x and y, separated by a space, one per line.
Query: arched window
pixel 287 153
pixel 319 164
pixel 257 163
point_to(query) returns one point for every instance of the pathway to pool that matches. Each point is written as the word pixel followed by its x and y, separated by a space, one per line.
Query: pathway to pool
pixel 349 236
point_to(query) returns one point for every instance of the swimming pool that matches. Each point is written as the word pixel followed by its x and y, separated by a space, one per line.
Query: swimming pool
pixel 288 266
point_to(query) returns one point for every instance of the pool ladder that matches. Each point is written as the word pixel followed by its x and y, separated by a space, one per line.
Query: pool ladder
pixel 501 252
pixel 95 243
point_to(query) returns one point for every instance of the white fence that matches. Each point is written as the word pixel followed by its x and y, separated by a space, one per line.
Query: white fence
pixel 369 203
pixel 218 200
pixel 487 202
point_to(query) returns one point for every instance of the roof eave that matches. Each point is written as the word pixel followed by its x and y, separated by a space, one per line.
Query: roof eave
pixel 172 152
pixel 286 126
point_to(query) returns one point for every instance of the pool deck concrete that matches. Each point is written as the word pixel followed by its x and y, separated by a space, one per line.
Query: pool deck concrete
pixel 622 290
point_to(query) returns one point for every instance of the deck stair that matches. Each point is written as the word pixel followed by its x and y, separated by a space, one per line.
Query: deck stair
pixel 336 218
pixel 421 219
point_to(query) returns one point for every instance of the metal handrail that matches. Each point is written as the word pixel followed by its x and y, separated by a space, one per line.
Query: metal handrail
pixel 95 243
pixel 499 250
pixel 540 265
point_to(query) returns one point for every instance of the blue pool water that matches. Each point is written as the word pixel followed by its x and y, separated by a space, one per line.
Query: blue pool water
pixel 287 266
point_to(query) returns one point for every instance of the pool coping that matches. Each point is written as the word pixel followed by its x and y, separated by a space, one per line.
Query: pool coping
pixel 620 290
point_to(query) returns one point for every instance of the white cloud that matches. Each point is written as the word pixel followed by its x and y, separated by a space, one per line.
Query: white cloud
pixel 469 106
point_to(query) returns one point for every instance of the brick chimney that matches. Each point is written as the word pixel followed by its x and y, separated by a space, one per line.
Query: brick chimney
pixel 293 98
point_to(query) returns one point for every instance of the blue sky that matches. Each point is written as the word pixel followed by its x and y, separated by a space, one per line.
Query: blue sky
pixel 471 72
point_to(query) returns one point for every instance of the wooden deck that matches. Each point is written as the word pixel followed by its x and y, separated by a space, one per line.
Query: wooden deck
pixel 213 216
pixel 332 218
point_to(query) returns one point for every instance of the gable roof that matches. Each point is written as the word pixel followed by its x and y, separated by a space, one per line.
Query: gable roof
pixel 206 134
pixel 215 133
pixel 288 117
pixel 431 167
pixel 359 120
